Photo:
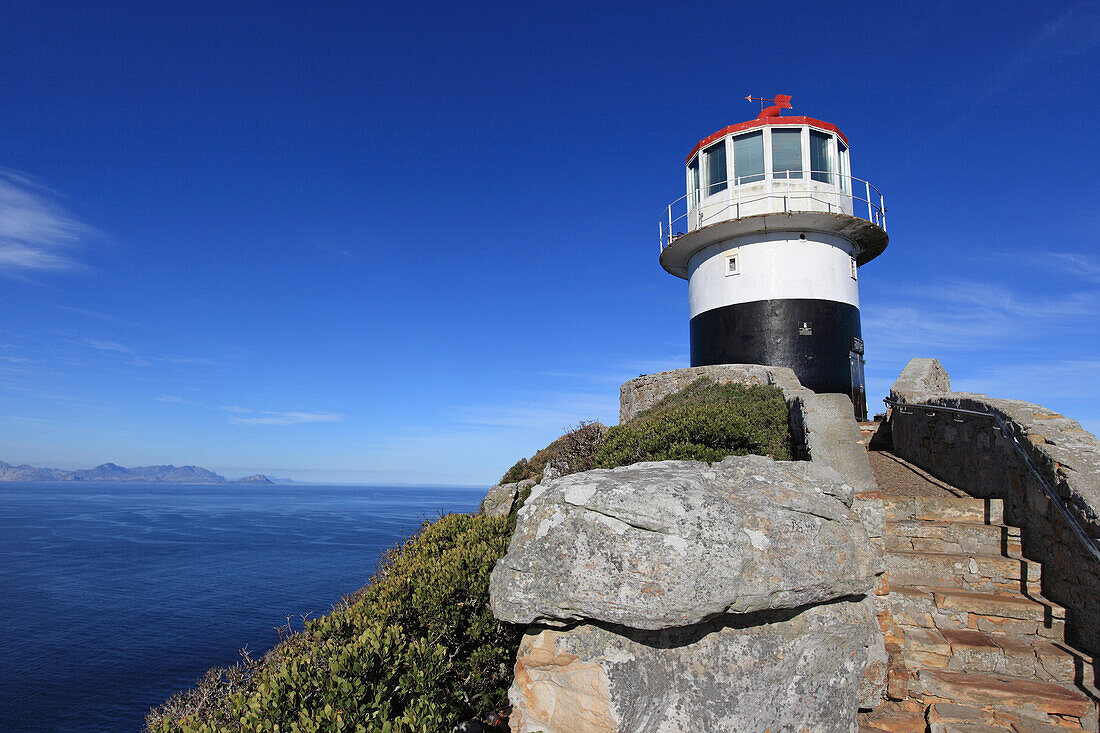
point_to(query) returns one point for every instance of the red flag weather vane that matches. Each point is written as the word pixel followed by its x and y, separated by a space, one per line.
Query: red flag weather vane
pixel 781 101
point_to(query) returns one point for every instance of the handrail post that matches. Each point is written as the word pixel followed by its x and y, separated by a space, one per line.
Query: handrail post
pixel 670 220
pixel 870 217
pixel 882 210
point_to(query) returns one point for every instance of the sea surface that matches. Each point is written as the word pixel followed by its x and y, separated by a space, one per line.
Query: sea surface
pixel 114 596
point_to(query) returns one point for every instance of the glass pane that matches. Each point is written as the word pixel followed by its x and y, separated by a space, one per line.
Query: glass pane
pixel 693 183
pixel 786 154
pixel 716 168
pixel 748 157
pixel 845 180
pixel 821 157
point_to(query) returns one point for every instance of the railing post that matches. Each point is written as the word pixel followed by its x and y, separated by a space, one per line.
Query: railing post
pixel 670 221
pixel 882 211
pixel 870 216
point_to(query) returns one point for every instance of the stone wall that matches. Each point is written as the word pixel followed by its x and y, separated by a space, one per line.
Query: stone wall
pixel 971 453
pixel 647 390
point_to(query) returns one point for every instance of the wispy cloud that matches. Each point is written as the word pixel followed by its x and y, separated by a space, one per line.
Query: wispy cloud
pixel 170 398
pixel 1077 265
pixel 962 313
pixel 36 232
pixel 554 412
pixel 288 418
pixel 107 346
pixel 236 409
pixel 94 314
pixel 1072 33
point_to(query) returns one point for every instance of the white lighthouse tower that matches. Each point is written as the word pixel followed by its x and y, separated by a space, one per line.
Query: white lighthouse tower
pixel 769 237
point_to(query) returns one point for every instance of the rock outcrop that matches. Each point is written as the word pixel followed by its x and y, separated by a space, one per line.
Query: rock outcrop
pixel 660 545
pixel 499 499
pixel 787 670
pixel 685 596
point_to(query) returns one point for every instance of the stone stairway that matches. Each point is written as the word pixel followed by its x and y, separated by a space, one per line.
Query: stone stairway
pixel 973 645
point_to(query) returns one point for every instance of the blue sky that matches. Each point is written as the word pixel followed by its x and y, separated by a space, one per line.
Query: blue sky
pixel 410 242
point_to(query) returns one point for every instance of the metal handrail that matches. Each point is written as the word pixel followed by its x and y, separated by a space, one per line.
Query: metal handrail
pixel 1090 544
pixel 805 186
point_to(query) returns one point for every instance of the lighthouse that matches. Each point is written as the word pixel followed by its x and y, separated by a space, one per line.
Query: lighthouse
pixel 770 236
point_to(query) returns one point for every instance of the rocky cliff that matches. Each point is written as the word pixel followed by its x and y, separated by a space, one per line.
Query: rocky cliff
pixel 682 595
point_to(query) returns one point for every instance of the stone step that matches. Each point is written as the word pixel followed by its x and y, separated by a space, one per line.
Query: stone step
pixel 1002 693
pixel 971 571
pixel 969 650
pixel 893 717
pixel 999 612
pixel 948 717
pixel 949 536
pixel 945 509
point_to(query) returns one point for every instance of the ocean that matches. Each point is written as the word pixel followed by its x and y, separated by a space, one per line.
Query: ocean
pixel 114 596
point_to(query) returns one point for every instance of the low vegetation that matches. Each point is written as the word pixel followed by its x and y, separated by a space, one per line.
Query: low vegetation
pixel 571 453
pixel 705 421
pixel 417 649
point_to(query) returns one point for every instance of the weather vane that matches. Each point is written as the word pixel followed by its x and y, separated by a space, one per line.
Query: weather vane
pixel 781 101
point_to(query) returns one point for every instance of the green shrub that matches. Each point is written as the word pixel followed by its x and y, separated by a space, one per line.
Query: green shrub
pixel 415 650
pixel 518 472
pixel 573 452
pixel 704 422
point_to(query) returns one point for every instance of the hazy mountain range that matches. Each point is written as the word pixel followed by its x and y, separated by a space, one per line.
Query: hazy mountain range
pixel 113 472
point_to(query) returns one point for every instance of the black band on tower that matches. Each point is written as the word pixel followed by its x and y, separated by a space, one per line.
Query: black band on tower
pixel 774 332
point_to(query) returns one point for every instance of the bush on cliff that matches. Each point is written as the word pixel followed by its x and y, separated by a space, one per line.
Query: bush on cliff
pixel 705 421
pixel 573 452
pixel 415 650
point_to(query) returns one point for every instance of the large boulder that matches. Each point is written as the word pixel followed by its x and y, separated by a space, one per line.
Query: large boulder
pixel 670 544
pixel 772 670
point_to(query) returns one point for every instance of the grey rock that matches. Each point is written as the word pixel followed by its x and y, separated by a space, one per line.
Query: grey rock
pixel 832 436
pixel 660 545
pixel 795 670
pixel 921 376
pixel 499 499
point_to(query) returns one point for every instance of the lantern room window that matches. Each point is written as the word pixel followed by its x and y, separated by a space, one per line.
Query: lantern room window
pixel 693 183
pixel 787 153
pixel 715 161
pixel 842 165
pixel 821 157
pixel 748 157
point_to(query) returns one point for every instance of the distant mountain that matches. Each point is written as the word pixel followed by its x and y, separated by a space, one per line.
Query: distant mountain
pixel 114 472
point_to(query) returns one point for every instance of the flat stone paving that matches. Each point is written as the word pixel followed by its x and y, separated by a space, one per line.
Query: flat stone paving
pixel 899 479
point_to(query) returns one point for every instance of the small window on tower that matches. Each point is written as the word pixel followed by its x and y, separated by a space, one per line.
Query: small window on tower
pixel 732 267
pixel 853 266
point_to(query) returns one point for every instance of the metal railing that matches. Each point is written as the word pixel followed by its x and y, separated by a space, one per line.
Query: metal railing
pixel 1090 544
pixel 779 192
